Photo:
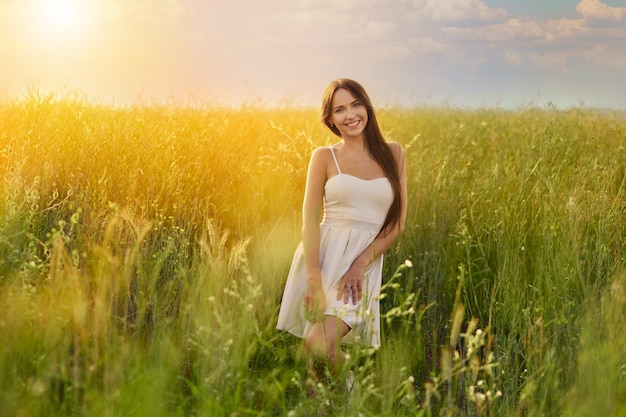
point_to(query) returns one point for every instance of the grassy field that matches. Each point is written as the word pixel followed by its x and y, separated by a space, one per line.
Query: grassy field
pixel 143 253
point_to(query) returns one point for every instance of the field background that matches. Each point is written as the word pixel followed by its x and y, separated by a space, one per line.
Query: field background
pixel 144 249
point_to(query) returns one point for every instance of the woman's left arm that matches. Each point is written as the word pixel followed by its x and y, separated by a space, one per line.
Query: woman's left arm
pixel 353 278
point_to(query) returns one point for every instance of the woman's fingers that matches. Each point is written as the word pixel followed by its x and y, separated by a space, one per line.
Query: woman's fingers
pixel 345 289
pixel 346 294
pixel 314 305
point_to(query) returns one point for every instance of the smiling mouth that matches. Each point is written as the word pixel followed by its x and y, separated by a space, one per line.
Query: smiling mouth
pixel 353 124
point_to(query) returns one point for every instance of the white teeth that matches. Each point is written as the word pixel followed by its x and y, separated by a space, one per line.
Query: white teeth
pixel 352 123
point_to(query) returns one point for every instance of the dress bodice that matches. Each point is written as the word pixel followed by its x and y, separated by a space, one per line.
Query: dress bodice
pixel 350 198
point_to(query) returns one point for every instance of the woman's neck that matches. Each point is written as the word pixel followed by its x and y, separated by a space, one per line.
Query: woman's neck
pixel 355 144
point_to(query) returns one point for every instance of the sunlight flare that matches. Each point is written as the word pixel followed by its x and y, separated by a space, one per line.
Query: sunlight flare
pixel 62 17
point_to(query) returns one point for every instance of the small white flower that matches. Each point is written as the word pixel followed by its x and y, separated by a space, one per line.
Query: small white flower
pixel 228 344
pixel 408 263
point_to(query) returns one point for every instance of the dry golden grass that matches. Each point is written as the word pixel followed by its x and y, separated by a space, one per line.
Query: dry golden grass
pixel 143 252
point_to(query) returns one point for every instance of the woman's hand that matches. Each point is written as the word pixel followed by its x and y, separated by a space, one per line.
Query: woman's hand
pixel 352 282
pixel 314 301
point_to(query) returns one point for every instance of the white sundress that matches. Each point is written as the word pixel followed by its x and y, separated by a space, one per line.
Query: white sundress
pixel 354 212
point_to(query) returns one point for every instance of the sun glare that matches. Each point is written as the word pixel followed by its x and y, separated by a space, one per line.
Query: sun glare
pixel 61 16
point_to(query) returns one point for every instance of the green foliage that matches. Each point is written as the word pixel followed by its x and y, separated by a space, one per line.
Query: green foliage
pixel 143 253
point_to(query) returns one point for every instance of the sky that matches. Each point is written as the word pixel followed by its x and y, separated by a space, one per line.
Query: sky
pixel 463 53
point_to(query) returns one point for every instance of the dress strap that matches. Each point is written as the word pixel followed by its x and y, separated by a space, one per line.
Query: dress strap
pixel 335 158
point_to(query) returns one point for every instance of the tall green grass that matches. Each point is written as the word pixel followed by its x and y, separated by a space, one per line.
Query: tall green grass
pixel 144 249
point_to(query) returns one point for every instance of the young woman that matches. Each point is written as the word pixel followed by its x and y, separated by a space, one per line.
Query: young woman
pixel 357 188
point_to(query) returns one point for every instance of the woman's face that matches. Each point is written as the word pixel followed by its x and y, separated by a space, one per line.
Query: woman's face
pixel 348 114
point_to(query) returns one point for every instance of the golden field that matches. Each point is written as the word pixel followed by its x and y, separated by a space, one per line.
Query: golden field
pixel 144 249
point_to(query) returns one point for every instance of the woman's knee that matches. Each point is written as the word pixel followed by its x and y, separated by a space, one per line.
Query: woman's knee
pixel 315 342
pixel 322 340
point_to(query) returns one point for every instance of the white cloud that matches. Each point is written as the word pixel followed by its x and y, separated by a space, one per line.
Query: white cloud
pixel 562 59
pixel 454 12
pixel 595 9
pixel 428 45
pixel 349 5
pixel 379 30
pixel 513 57
pixel 521 30
pixel 464 10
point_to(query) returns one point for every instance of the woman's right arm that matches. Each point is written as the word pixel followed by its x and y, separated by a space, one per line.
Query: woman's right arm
pixel 315 300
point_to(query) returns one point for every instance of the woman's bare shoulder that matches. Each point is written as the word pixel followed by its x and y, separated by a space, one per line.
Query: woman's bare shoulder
pixel 321 150
pixel 321 154
pixel 320 159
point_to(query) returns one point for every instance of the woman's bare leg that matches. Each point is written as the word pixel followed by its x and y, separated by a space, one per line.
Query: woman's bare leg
pixel 323 346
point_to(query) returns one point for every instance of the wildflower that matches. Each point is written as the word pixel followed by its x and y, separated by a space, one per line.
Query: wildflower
pixel 408 263
pixel 228 344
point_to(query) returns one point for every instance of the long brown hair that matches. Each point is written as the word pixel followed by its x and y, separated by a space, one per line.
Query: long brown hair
pixel 374 141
